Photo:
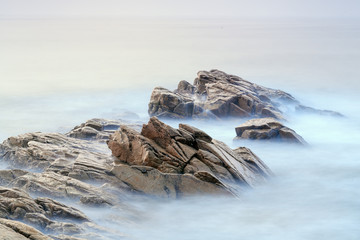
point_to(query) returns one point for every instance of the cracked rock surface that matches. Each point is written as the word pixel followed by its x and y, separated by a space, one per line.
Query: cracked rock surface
pixel 51 176
pixel 182 154
pixel 216 94
pixel 267 129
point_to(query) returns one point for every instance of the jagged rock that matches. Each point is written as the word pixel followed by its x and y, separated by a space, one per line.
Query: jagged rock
pixel 151 181
pixel 54 152
pixel 97 128
pixel 16 204
pixel 11 230
pixel 160 161
pixel 178 152
pixel 269 129
pixel 215 95
pixel 6 176
pixel 59 186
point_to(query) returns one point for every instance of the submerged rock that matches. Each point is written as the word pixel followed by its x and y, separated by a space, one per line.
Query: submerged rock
pixel 216 94
pixel 269 129
pixel 189 161
pixel 310 110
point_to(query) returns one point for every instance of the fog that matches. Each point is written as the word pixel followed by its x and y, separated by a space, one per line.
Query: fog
pixel 42 57
pixel 313 195
pixel 185 8
pixel 64 62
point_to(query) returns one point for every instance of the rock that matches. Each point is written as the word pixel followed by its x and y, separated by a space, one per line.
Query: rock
pixel 6 176
pixel 16 204
pixel 215 95
pixel 50 169
pixel 97 128
pixel 54 152
pixel 181 155
pixel 11 230
pixel 269 129
pixel 150 181
pixel 63 187
pixel 310 110
pixel 62 168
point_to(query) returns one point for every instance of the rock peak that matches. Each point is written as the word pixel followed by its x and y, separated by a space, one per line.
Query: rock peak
pixel 215 94
pixel 185 151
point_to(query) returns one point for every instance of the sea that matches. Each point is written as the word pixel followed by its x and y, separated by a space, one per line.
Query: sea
pixel 56 73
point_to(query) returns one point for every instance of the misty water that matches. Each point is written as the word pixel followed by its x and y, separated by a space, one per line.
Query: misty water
pixel 59 73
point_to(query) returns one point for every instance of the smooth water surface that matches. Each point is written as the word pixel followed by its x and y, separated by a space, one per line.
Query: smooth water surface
pixel 57 73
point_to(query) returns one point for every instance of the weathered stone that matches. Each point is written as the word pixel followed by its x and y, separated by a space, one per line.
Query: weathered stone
pixel 216 94
pixel 152 182
pixel 16 204
pixel 268 129
pixel 53 152
pixel 11 230
pixel 59 186
pixel 97 128
pixel 158 161
pixel 187 150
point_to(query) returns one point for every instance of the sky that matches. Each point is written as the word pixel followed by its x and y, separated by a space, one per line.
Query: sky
pixel 184 8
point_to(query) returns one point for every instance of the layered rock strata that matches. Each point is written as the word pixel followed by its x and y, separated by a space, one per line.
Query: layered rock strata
pixel 48 170
pixel 175 156
pixel 267 129
pixel 216 94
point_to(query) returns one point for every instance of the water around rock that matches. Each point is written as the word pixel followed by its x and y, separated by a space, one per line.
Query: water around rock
pixel 216 94
pixel 47 170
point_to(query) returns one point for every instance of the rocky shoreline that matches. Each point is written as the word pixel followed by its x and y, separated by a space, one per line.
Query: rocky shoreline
pixel 101 162
pixel 159 161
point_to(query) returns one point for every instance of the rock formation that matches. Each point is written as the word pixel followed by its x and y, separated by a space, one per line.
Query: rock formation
pixel 179 159
pixel 48 170
pixel 98 128
pixel 215 94
pixel 267 129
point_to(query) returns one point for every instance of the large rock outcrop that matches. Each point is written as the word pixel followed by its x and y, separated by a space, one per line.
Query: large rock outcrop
pixel 267 129
pixel 215 94
pixel 54 166
pixel 184 154
pixel 47 171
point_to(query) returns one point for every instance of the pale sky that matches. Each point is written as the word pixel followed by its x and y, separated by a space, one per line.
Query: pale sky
pixel 184 8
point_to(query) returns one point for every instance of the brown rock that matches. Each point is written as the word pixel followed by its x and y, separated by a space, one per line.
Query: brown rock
pixel 16 230
pixel 216 94
pixel 268 129
pixel 152 182
pixel 186 150
pixel 100 129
